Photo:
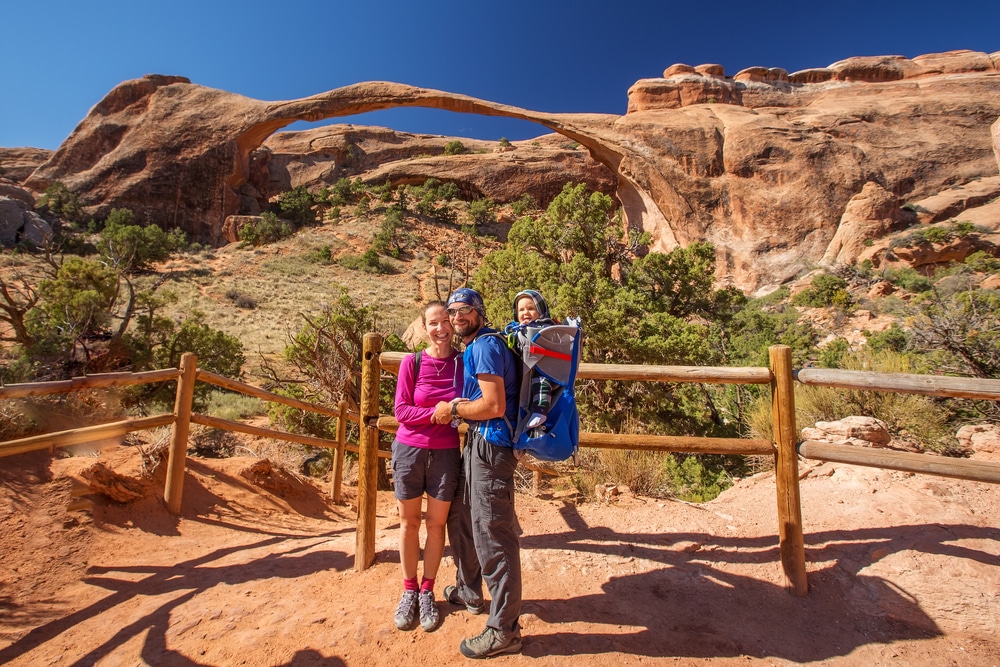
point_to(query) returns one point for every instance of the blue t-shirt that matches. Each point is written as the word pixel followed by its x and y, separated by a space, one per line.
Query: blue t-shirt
pixel 490 355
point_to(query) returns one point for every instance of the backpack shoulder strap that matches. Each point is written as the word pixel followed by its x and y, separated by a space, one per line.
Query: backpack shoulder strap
pixel 416 363
pixel 503 341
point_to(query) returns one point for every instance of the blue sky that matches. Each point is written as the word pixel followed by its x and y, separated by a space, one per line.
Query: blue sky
pixel 60 58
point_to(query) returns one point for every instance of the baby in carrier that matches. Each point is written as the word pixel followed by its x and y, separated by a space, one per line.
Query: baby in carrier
pixel 530 308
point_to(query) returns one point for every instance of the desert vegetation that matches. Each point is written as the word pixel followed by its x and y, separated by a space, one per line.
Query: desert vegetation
pixel 290 303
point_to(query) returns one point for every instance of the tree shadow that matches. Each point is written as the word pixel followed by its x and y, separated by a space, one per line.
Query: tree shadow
pixel 695 606
pixel 190 578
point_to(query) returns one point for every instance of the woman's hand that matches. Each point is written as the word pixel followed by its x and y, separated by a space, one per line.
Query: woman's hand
pixel 442 411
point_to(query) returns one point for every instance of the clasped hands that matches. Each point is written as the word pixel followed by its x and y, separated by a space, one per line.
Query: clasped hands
pixel 442 411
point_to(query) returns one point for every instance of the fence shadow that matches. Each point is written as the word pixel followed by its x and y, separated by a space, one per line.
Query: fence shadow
pixel 188 579
pixel 695 605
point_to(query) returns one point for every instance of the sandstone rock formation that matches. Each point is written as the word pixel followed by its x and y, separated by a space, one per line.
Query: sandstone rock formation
pixel 980 438
pixel 859 431
pixel 868 216
pixel 539 167
pixel 18 163
pixel 763 165
pixel 232 225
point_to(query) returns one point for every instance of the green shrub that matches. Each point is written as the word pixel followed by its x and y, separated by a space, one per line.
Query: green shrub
pixel 363 208
pixel 390 239
pixel 982 262
pixel 129 248
pixel 936 235
pixel 342 193
pixel 455 147
pixel 426 205
pixel 908 278
pixel 447 191
pixel 832 354
pixel 369 262
pixel 523 205
pixel 696 478
pixel 297 205
pixel 826 290
pixel 894 339
pixel 963 228
pixel 267 229
pixel 322 255
pixel 483 211
pixel 62 201
pixel 446 215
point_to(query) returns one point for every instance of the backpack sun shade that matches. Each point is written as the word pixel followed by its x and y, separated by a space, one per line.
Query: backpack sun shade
pixel 552 351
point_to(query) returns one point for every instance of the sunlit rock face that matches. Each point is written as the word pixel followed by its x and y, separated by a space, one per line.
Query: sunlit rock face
pixel 764 164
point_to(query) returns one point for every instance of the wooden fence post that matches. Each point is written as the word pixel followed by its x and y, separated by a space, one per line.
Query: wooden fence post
pixel 793 555
pixel 337 473
pixel 179 433
pixel 364 552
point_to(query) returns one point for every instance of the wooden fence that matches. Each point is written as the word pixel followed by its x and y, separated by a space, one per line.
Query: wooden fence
pixel 780 376
pixel 179 420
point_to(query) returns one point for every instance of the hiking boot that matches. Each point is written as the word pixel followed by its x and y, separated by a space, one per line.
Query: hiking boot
pixel 490 642
pixel 406 612
pixel 451 595
pixel 429 617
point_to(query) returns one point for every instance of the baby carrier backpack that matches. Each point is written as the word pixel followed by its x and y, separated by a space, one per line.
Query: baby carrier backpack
pixel 552 351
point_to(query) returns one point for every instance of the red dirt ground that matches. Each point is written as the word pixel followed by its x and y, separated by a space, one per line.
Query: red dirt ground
pixel 902 570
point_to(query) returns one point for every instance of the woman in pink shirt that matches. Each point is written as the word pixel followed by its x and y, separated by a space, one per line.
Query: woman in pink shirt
pixel 425 459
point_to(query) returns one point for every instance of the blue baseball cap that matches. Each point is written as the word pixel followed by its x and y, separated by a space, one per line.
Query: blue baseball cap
pixel 468 296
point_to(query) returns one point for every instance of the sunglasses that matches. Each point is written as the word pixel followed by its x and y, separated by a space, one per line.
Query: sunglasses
pixel 464 310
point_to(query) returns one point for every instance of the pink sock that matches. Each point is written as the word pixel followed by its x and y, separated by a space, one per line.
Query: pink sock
pixel 426 584
pixel 410 584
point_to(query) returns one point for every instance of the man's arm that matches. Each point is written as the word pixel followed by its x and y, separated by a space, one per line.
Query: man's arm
pixel 493 402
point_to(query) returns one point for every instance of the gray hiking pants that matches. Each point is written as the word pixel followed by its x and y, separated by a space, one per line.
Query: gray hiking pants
pixel 481 530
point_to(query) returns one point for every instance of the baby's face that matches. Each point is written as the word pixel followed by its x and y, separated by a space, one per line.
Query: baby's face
pixel 526 311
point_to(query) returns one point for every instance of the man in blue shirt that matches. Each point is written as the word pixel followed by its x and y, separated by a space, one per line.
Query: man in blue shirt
pixel 481 523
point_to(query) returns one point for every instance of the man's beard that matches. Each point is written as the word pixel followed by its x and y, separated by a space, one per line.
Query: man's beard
pixel 468 328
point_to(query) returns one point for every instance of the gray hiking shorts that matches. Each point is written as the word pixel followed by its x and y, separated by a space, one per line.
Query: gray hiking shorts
pixel 418 469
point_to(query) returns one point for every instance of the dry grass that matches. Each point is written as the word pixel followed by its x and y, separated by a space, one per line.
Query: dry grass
pixel 287 281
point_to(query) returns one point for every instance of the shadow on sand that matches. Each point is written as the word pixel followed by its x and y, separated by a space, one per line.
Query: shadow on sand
pixel 695 606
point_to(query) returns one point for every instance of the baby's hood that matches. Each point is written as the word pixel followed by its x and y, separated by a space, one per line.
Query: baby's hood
pixel 540 305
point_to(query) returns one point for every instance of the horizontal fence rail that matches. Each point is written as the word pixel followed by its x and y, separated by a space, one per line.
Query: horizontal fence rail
pixel 263 394
pixel 240 427
pixel 649 443
pixel 96 381
pixel 978 471
pixel 711 374
pixel 905 383
pixel 79 436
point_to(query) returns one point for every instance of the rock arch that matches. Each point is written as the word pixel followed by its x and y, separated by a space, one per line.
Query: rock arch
pixel 178 136
pixel 765 176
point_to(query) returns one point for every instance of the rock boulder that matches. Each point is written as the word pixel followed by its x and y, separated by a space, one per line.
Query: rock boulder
pixel 860 431
pixel 19 224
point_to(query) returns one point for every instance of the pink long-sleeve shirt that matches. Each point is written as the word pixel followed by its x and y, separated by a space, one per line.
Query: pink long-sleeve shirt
pixel 440 380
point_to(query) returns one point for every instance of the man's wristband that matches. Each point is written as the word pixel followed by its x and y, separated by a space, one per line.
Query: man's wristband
pixel 454 411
